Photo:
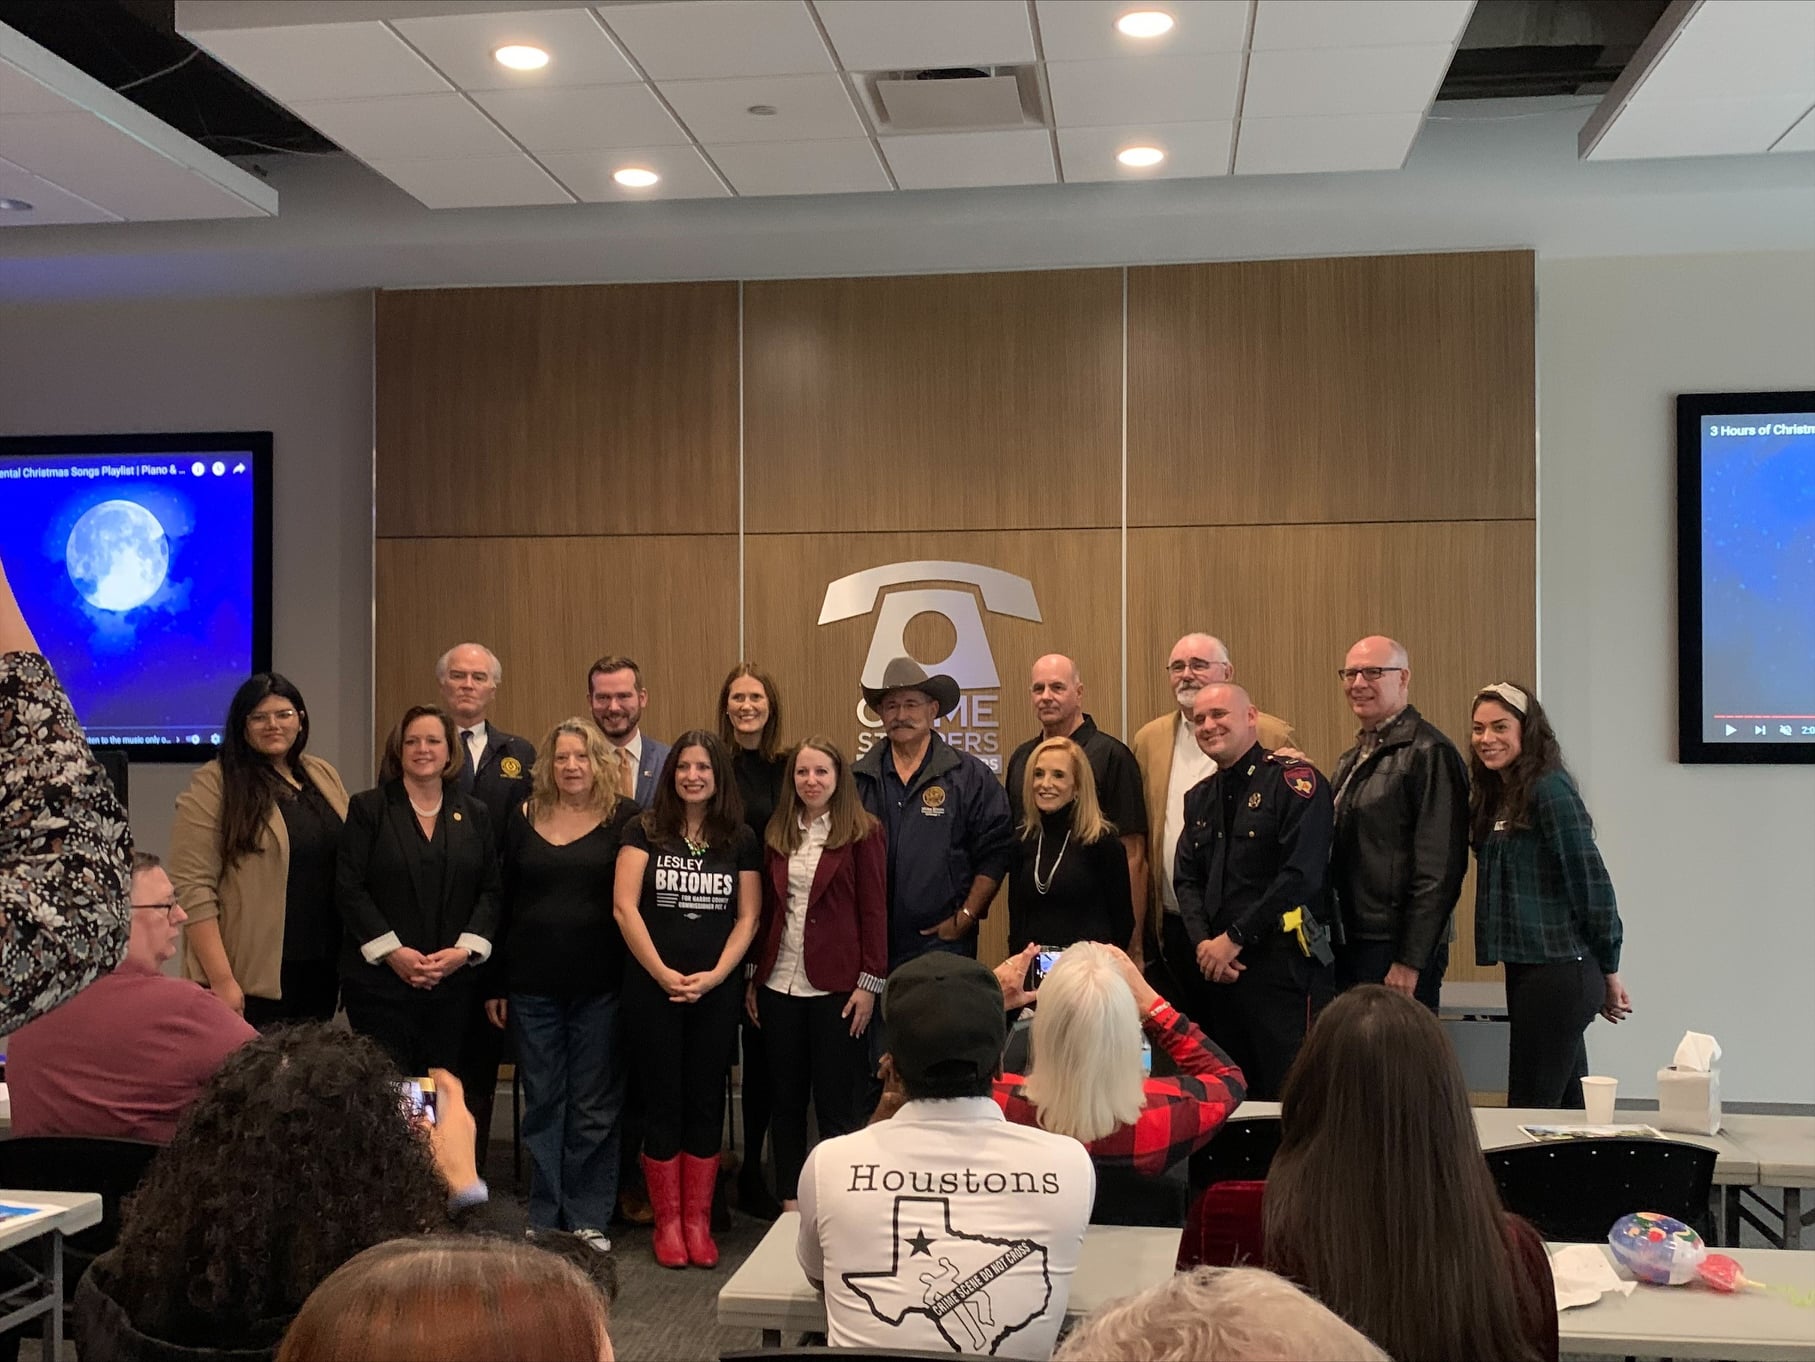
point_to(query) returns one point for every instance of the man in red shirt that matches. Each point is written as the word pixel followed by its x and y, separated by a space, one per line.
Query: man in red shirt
pixel 125 1056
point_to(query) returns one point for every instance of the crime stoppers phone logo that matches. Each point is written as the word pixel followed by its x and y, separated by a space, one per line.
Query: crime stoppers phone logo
pixel 952 590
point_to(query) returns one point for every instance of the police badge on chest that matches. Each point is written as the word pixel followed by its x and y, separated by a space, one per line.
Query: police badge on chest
pixel 932 802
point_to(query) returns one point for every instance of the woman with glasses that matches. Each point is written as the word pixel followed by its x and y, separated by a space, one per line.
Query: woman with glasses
pixel 253 853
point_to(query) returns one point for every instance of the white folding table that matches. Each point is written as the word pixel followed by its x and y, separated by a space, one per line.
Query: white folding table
pixel 44 1295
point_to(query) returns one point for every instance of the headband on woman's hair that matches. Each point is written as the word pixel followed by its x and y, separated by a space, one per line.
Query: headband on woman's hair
pixel 1510 695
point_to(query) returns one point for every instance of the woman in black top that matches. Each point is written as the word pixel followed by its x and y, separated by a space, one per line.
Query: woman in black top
pixel 687 899
pixel 1072 881
pixel 562 964
pixel 419 894
pixel 749 724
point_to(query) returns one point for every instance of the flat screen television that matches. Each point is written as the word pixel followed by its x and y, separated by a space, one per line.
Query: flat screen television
pixel 1746 577
pixel 143 565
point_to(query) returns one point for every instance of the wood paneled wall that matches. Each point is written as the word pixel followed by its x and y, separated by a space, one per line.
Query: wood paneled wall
pixel 1290 454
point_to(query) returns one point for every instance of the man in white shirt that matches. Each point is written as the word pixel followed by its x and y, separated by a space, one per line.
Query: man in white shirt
pixel 944 1228
pixel 1171 764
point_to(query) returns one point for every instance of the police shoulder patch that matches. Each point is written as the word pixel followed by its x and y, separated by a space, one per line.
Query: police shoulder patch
pixel 1301 779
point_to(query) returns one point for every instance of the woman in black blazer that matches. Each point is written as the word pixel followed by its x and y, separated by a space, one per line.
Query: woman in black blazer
pixel 419 894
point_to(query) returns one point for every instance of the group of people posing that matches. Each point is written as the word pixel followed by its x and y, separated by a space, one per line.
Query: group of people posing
pixel 622 908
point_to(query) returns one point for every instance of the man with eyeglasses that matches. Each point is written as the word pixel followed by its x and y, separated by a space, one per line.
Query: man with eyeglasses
pixel 125 1057
pixel 1171 763
pixel 1401 843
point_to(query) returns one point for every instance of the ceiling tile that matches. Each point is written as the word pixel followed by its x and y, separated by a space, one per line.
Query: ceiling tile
pixel 1084 30
pixel 1188 88
pixel 719 39
pixel 51 205
pixel 481 182
pixel 1296 146
pixel 461 46
pixel 410 127
pixel 1738 47
pixel 1698 127
pixel 583 118
pixel 1799 138
pixel 801 167
pixel 1342 81
pixel 958 160
pixel 684 172
pixel 1193 150
pixel 1358 23
pixel 909 35
pixel 807 108
pixel 19 93
pixel 322 61
pixel 96 161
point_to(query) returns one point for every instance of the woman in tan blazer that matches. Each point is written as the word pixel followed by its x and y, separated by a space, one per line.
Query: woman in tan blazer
pixel 253 855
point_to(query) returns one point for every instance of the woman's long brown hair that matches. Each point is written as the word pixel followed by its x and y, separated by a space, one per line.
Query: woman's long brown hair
pixel 1505 796
pixel 1379 1202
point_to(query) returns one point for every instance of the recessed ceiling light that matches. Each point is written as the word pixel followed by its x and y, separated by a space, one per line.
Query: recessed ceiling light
pixel 635 177
pixel 1144 23
pixel 1140 157
pixel 14 206
pixel 521 57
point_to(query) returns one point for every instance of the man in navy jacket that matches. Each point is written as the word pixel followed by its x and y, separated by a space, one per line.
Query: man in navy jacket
pixel 949 840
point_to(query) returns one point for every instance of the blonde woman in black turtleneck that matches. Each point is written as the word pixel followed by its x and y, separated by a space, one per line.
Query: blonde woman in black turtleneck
pixel 1071 883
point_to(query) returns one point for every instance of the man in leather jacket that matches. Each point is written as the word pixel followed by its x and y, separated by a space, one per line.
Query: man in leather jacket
pixel 1401 843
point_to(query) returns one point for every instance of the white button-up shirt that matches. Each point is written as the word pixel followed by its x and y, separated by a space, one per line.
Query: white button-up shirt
pixel 790 973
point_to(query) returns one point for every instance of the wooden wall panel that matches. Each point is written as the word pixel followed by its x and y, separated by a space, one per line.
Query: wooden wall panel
pixel 548 608
pixel 1289 602
pixel 537 411
pixel 1376 388
pixel 978 401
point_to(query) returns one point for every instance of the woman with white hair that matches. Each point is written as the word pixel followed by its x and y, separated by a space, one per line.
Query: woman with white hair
pixel 1087 1082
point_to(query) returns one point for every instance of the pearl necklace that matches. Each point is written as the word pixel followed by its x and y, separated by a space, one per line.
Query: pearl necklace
pixel 422 812
pixel 1039 885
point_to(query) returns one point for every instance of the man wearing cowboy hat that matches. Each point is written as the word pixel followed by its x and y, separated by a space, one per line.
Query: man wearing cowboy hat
pixel 947 819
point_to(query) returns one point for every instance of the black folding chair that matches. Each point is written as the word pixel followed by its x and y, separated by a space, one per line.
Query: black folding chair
pixel 1574 1190
pixel 1242 1151
pixel 1125 1197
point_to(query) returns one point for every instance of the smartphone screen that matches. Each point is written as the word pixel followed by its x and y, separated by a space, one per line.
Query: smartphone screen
pixel 419 1098
pixel 1042 966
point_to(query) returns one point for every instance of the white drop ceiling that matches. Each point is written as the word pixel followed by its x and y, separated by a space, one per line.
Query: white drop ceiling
pixel 1714 78
pixel 775 97
pixel 75 151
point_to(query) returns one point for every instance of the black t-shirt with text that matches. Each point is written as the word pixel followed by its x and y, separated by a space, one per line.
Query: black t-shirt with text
pixel 689 902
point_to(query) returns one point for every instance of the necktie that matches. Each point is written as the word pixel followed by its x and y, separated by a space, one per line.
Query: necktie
pixel 627 774
pixel 470 767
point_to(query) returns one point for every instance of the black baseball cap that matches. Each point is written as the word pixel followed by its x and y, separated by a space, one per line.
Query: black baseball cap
pixel 945 1018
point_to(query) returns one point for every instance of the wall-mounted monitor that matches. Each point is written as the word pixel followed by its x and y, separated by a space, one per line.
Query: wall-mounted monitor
pixel 1745 534
pixel 143 564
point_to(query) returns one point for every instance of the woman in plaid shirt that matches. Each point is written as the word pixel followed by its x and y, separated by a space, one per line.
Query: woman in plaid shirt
pixel 1544 904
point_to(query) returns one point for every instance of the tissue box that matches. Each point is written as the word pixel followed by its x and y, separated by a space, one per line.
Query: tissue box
pixel 1688 1100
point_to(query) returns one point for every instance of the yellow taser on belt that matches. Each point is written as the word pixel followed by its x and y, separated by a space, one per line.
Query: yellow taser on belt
pixel 1293 924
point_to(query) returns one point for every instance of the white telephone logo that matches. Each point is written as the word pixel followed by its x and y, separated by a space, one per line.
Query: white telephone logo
pixel 970 664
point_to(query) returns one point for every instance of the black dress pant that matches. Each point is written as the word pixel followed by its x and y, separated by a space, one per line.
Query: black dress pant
pixel 311 990
pixel 812 1054
pixel 680 1053
pixel 758 1088
pixel 1548 1008
pixel 422 1030
pixel 481 1052
pixel 1262 1018
pixel 1367 962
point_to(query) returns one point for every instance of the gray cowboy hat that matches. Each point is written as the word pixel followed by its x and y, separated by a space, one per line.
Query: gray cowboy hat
pixel 903 673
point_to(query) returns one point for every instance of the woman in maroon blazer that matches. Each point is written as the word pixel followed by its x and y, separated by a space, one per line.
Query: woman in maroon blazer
pixel 821 952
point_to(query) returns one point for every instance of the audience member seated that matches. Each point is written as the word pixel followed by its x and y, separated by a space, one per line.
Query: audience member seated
pixel 64 841
pixel 1217 1314
pixel 945 1228
pixel 124 1057
pixel 1086 1080
pixel 423 1300
pixel 1380 1204
pixel 299 1154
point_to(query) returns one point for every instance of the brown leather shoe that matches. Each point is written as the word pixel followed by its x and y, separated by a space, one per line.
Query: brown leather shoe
pixel 633 1205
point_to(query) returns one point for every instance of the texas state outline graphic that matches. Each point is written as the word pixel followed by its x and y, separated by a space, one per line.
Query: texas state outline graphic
pixel 955 1295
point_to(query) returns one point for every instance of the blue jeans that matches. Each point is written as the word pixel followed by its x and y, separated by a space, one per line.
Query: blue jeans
pixel 572 1065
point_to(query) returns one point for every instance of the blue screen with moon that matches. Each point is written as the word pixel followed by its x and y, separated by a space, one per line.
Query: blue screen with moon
pixel 135 572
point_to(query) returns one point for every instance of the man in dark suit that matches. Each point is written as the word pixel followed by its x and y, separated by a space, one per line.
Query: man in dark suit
pixel 495 770
pixel 614 691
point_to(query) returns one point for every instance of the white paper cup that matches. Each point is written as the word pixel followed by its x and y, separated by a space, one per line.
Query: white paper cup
pixel 1597 1099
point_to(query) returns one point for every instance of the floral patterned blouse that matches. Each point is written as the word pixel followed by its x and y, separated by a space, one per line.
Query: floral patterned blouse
pixel 65 849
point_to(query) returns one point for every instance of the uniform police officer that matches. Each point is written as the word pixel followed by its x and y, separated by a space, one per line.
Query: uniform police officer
pixel 1252 877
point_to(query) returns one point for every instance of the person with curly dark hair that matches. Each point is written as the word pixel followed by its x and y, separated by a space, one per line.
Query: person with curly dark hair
pixel 1544 902
pixel 299 1154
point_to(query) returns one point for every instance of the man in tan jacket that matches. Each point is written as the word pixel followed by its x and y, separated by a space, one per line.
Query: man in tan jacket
pixel 1171 764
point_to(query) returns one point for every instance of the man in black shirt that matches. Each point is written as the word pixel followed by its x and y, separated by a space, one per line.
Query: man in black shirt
pixel 1058 700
